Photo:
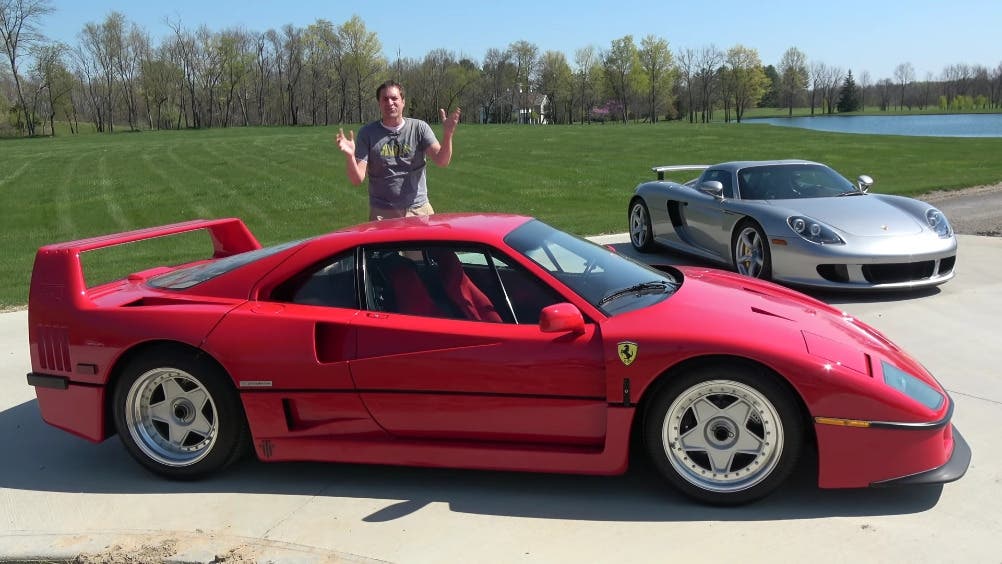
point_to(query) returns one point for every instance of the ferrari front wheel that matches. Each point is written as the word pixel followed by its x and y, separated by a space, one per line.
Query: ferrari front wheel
pixel 724 434
pixel 641 231
pixel 177 414
pixel 751 251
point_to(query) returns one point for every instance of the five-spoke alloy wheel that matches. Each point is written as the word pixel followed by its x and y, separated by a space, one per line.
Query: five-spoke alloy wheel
pixel 178 415
pixel 724 434
pixel 751 251
pixel 641 231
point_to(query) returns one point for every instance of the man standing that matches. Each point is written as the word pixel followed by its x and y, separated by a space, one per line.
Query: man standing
pixel 392 152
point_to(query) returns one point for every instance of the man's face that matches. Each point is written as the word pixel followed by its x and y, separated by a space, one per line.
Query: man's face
pixel 391 103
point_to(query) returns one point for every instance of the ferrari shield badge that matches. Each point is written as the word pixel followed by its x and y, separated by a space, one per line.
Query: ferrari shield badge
pixel 627 351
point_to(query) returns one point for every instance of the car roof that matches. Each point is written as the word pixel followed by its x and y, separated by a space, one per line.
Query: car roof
pixel 487 227
pixel 738 165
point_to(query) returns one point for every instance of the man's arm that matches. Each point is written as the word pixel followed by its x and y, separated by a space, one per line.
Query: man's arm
pixel 441 153
pixel 356 169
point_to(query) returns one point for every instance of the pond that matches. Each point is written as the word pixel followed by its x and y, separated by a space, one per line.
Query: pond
pixel 947 125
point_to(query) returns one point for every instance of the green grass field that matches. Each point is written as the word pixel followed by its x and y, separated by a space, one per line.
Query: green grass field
pixel 288 183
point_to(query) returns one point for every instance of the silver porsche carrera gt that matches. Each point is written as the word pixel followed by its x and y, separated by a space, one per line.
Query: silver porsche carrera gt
pixel 797 222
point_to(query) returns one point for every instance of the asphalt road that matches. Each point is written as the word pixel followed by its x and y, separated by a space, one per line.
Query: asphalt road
pixel 63 497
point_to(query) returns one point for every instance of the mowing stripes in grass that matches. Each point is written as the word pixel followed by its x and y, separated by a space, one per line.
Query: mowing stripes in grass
pixel 288 183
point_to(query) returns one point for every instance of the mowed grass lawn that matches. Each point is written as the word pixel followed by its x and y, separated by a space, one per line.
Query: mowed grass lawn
pixel 288 183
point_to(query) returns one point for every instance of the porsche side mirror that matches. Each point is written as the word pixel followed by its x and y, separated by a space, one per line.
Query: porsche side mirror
pixel 713 188
pixel 864 182
pixel 561 318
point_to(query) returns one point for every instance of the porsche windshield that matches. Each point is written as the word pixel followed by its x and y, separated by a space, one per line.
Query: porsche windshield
pixel 607 280
pixel 792 181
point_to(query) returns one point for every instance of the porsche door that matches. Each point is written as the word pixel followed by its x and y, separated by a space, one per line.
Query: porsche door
pixel 435 373
pixel 707 218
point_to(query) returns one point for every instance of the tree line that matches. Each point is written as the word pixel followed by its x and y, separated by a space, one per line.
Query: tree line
pixel 326 73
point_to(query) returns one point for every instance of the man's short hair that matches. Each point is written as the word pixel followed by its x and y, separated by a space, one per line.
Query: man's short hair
pixel 389 84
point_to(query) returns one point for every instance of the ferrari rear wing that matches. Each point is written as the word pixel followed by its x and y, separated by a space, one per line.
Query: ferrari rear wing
pixel 661 170
pixel 58 274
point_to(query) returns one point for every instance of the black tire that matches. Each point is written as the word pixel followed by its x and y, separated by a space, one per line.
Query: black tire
pixel 724 434
pixel 641 230
pixel 178 414
pixel 750 252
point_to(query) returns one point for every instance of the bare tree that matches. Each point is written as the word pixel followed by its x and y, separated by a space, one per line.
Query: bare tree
pixel 904 74
pixel 793 76
pixel 884 87
pixel 831 81
pixel 865 81
pixel 52 77
pixel 19 21
pixel 818 72
pixel 498 75
pixel 101 46
pixel 586 70
pixel 707 64
pixel 687 77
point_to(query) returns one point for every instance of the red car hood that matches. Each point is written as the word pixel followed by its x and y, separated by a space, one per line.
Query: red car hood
pixel 761 315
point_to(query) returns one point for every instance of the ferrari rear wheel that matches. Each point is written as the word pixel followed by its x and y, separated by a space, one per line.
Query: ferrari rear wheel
pixel 724 434
pixel 178 415
pixel 641 231
pixel 751 251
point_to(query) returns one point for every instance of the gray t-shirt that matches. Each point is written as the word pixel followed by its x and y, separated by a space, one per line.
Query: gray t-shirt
pixel 396 165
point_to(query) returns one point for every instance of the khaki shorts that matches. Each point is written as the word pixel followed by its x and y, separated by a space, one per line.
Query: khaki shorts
pixel 376 214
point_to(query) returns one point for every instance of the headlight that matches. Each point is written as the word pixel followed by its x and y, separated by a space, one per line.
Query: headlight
pixel 938 223
pixel 814 231
pixel 912 386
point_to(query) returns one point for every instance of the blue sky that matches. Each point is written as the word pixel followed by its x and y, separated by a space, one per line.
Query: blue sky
pixel 873 36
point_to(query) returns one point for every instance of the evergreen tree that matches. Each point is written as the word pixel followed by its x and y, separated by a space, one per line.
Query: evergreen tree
pixel 848 99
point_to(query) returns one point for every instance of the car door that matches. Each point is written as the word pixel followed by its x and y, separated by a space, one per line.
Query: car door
pixel 707 217
pixel 435 374
pixel 290 351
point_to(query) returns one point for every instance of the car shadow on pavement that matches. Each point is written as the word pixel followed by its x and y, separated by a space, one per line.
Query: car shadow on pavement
pixel 42 458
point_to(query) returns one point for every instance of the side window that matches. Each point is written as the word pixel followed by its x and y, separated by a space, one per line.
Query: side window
pixel 456 282
pixel 330 283
pixel 526 294
pixel 433 281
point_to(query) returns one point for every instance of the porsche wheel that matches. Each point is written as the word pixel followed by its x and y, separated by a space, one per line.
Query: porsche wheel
pixel 751 251
pixel 641 231
pixel 724 434
pixel 178 415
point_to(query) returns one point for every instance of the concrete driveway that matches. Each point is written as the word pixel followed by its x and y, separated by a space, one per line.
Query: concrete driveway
pixel 61 496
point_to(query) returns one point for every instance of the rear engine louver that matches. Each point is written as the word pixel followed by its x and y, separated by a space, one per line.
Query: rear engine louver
pixel 54 348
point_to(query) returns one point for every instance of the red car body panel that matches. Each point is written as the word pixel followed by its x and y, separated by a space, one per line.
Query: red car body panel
pixel 350 385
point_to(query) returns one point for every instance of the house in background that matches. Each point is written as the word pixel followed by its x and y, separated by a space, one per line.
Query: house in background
pixel 534 111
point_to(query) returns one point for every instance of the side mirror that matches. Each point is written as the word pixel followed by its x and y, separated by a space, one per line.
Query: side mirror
pixel 864 182
pixel 561 318
pixel 713 188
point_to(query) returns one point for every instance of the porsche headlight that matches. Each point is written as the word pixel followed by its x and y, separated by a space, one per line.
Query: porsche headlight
pixel 814 231
pixel 938 223
pixel 912 386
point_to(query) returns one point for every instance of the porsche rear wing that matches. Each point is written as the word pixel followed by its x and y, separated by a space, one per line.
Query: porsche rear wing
pixel 57 277
pixel 661 170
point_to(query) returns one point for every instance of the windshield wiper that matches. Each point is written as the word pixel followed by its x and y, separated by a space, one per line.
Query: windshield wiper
pixel 653 287
pixel 852 193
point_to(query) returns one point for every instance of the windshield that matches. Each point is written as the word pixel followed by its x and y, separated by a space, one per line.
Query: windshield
pixel 189 276
pixel 792 181
pixel 607 280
